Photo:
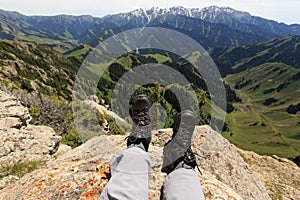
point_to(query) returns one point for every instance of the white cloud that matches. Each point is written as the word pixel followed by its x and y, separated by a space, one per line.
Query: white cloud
pixel 280 10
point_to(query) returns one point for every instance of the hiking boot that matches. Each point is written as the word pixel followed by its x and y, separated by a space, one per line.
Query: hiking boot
pixel 141 128
pixel 177 151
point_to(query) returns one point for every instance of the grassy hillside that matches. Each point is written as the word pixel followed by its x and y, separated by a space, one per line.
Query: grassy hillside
pixel 237 59
pixel 261 122
pixel 34 67
pixel 80 52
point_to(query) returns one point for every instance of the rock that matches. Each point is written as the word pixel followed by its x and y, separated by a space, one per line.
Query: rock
pixel 79 173
pixel 62 149
pixel 221 159
pixel 280 174
pixel 12 113
pixel 84 171
pixel 7 180
pixel 27 144
pixel 20 142
pixel 214 189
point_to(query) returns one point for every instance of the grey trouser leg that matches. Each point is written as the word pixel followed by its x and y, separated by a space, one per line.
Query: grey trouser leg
pixel 182 184
pixel 129 181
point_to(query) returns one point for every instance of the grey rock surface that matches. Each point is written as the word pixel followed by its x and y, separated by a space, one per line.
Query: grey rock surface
pixel 83 172
pixel 19 141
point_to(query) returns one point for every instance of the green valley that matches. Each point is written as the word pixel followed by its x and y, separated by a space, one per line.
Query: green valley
pixel 261 121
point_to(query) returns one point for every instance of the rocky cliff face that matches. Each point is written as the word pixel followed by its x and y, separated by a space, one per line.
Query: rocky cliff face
pixel 82 173
pixel 19 141
pixel 281 176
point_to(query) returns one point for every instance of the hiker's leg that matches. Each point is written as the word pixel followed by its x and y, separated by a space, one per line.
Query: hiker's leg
pixel 130 170
pixel 179 161
pixel 182 184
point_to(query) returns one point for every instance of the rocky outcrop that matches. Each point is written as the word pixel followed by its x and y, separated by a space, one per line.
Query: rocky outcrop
pixel 84 171
pixel 27 144
pixel 20 142
pixel 280 175
pixel 220 162
pixel 12 113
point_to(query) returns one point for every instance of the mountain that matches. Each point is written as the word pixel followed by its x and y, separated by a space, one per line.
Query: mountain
pixel 62 31
pixel 265 76
pixel 258 58
pixel 237 59
pixel 212 26
pixel 34 67
pixel 234 19
pixel 243 21
pixel 209 35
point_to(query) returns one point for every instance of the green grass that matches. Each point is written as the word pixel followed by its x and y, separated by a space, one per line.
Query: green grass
pixel 265 129
pixel 160 58
pixel 20 169
pixel 60 46
pixel 79 52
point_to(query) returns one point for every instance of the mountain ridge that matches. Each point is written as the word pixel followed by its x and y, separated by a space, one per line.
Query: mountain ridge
pixel 216 14
pixel 236 59
pixel 65 32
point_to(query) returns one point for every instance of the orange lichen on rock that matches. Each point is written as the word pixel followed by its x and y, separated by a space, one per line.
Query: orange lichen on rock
pixel 93 193
pixel 91 181
pixel 60 187
pixel 68 185
pixel 84 185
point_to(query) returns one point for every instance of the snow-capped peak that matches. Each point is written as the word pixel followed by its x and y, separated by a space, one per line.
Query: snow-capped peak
pixel 213 11
pixel 208 12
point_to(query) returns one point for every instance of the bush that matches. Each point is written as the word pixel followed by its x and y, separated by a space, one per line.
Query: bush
pixel 35 111
pixel 25 84
pixel 114 129
pixel 71 138
pixel 293 109
pixel 269 101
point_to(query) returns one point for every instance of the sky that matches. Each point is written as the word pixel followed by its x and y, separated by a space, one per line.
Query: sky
pixel 287 11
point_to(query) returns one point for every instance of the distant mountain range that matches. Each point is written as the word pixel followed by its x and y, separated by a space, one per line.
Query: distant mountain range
pixel 238 20
pixel 212 26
